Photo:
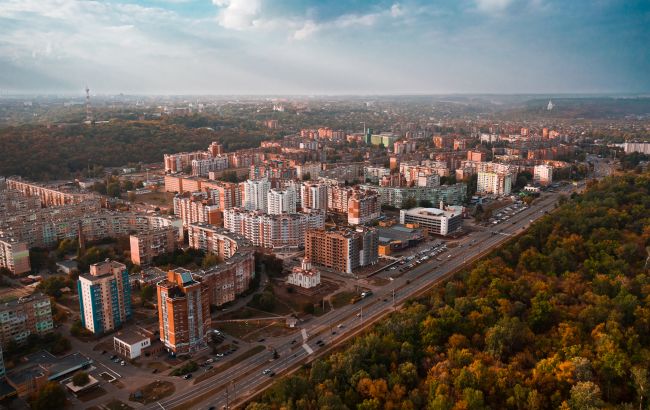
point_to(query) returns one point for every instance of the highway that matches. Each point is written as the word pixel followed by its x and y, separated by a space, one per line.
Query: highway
pixel 245 379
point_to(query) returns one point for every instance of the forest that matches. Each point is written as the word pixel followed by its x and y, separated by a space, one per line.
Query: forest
pixel 559 317
pixel 39 152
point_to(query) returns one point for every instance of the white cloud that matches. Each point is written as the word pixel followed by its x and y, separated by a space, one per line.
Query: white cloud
pixel 306 30
pixel 238 14
pixel 309 27
pixel 493 6
pixel 396 10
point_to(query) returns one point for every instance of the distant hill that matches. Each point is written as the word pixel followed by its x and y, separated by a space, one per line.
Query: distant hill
pixel 587 108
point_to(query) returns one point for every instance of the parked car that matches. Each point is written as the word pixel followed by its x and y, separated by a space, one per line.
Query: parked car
pixel 187 376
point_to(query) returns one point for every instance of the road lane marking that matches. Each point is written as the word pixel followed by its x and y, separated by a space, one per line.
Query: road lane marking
pixel 307 348
pixel 304 334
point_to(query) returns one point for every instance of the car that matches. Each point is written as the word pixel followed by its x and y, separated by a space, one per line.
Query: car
pixel 341 326
pixel 319 342
pixel 112 357
pixel 219 354
pixel 103 351
pixel 271 374
pixel 154 371
pixel 123 363
pixel 293 342
pixel 211 408
pixel 260 340
pixel 333 332
pixel 236 342
pixel 187 376
pixel 266 371
pixel 209 360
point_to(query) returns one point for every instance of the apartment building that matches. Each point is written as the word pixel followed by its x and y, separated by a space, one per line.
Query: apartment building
pixel 147 245
pixel 280 232
pixel 197 207
pixel 311 169
pixel 433 220
pixel 183 312
pixel 23 317
pixel 281 201
pixel 363 207
pixel 495 178
pixel 338 198
pixel 181 160
pixel 14 255
pixel 396 196
pixel 48 196
pixel 477 156
pixel 344 249
pixel 494 183
pixel 202 167
pixel 543 174
pixel 213 239
pixel 104 297
pixel 255 194
pixel 313 195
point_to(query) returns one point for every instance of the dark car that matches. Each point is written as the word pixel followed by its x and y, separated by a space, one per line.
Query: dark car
pixel 187 376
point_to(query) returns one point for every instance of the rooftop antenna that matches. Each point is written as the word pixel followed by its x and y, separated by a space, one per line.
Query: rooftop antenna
pixel 89 117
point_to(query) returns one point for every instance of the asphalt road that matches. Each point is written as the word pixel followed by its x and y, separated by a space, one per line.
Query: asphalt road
pixel 246 379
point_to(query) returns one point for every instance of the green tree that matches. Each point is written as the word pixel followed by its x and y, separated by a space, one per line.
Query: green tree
pixel 50 397
pixel 409 203
pixel 80 379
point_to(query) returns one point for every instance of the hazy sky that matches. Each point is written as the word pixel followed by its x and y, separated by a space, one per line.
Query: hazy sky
pixel 324 46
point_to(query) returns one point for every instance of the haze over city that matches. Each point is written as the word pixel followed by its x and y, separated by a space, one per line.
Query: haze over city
pixel 324 47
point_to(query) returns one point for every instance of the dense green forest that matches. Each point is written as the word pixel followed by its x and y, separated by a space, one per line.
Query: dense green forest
pixel 41 153
pixel 557 318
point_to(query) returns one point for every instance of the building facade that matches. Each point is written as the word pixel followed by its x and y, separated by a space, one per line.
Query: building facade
pixel 255 194
pixel 104 297
pixel 304 276
pixel 281 201
pixel 363 207
pixel 343 250
pixel 433 220
pixel 543 174
pixel 183 313
pixel 14 255
pixel 313 195
pixel 23 317
pixel 147 245
pixel 280 232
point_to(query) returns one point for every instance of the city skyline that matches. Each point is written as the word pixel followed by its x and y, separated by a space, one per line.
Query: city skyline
pixel 266 47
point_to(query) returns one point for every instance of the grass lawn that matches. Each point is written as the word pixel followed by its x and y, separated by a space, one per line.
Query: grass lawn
pixel 342 298
pixel 153 392
pixel 157 198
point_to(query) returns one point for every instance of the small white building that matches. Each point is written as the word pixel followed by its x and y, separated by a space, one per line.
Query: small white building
pixel 304 276
pixel 130 344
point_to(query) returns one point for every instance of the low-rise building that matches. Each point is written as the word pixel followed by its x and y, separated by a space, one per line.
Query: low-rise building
pixel 131 343
pixel 304 276
pixel 433 220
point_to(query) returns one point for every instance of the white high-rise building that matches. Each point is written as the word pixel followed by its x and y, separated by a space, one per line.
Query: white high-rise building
pixel 255 194
pixel 543 174
pixel 313 195
pixel 281 201
pixel 494 183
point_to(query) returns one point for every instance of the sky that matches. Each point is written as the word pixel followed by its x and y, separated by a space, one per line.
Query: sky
pixel 310 47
